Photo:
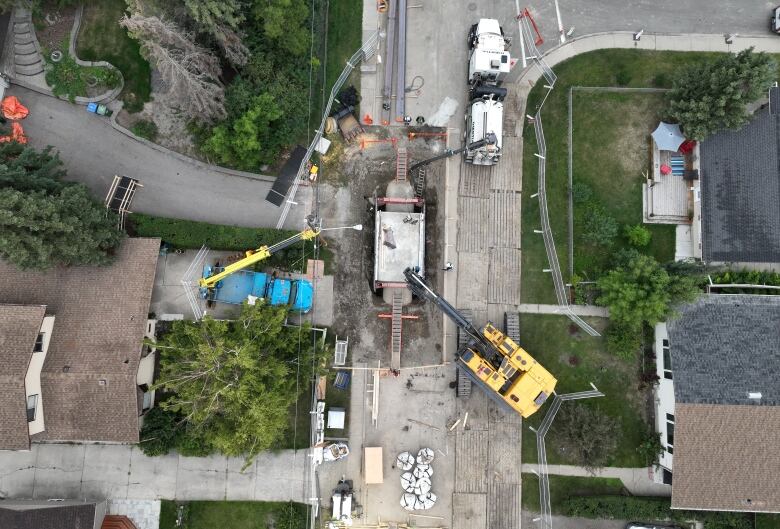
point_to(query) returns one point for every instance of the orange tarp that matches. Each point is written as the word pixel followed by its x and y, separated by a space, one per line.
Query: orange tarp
pixel 17 134
pixel 13 108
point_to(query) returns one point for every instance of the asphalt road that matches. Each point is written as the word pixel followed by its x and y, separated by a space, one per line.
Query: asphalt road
pixel 93 152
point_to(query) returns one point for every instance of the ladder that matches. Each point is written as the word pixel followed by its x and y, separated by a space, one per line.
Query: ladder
pixel 401 164
pixel 419 188
pixel 395 339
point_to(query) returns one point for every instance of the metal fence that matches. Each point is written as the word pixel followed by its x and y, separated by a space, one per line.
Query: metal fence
pixel 366 51
pixel 549 242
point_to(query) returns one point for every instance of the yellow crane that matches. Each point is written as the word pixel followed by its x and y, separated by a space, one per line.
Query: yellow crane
pixel 255 256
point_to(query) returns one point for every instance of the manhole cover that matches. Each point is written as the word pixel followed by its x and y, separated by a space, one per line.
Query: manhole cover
pixel 56 56
pixel 472 6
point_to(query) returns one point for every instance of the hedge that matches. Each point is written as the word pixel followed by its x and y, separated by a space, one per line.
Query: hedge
pixel 191 235
pixel 650 509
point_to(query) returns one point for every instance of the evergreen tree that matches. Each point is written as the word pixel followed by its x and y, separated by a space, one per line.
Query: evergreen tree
pixel 709 96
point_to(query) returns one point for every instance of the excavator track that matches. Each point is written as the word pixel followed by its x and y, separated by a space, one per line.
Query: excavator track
pixel 512 326
pixel 463 389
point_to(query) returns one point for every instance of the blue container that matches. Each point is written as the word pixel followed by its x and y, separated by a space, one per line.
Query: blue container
pixel 92 107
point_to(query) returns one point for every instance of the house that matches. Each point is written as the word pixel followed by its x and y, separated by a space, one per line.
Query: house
pixel 718 403
pixel 72 346
pixel 740 182
pixel 60 514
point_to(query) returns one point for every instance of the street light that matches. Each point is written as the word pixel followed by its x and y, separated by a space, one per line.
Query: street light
pixel 356 227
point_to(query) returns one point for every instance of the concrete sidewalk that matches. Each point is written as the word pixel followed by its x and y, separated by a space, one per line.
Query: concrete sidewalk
pixel 579 310
pixel 124 472
pixel 638 481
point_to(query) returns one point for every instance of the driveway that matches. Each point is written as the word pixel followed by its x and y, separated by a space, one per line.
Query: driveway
pixel 93 152
pixel 124 472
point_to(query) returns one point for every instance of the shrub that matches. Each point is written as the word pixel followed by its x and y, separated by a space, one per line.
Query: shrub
pixel 651 447
pixel 581 193
pixel 589 435
pixel 159 432
pixel 624 340
pixel 637 235
pixel 600 227
pixel 146 129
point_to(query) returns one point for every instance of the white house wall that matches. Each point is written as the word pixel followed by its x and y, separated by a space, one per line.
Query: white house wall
pixel 664 396
pixel 32 380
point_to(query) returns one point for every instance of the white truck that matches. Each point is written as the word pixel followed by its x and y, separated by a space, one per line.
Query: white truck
pixel 489 63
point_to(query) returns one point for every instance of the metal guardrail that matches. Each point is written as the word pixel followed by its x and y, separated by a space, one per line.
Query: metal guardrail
pixel 549 241
pixel 366 51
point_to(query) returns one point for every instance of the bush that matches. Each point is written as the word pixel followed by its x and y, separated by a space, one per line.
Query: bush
pixel 649 508
pixel 624 340
pixel 581 193
pixel 146 129
pixel 651 447
pixel 159 432
pixel 589 435
pixel 637 236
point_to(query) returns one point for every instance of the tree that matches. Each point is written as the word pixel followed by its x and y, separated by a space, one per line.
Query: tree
pixel 284 24
pixel 588 435
pixel 712 95
pixel 221 19
pixel 190 71
pixel 25 169
pixel 159 432
pixel 642 291
pixel 600 227
pixel 39 230
pixel 232 382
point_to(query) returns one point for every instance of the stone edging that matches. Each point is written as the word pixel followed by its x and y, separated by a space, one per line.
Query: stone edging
pixel 188 159
pixel 649 41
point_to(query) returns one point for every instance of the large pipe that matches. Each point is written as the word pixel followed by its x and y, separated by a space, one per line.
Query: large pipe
pixel 387 90
pixel 400 79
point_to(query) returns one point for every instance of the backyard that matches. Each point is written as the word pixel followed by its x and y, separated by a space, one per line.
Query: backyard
pixel 610 154
pixel 578 360
pixel 234 515
pixel 563 487
pixel 101 38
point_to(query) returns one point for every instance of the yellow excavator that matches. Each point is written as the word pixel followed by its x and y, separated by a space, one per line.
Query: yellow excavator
pixel 492 360
pixel 255 256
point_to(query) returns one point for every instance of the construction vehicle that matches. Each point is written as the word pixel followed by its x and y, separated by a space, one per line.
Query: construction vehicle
pixel 492 360
pixel 489 139
pixel 489 63
pixel 234 284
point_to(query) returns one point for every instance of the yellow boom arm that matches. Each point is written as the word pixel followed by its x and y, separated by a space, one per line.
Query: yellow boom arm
pixel 255 256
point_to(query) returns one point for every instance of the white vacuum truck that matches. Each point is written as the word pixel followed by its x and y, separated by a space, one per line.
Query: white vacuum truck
pixel 489 63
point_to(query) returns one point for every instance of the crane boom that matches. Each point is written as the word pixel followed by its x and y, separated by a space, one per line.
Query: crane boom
pixel 255 256
pixel 489 139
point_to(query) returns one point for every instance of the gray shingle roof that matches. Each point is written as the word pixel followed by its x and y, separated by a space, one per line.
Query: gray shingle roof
pixel 52 516
pixel 740 179
pixel 19 326
pixel 724 346
pixel 101 315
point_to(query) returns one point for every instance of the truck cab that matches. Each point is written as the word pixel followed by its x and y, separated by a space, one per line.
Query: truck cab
pixel 489 60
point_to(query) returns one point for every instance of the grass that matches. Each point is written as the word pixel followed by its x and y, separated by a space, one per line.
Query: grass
pixel 767 521
pixel 188 234
pixel 235 515
pixel 610 153
pixel 344 38
pixel 68 79
pixel 101 38
pixel 633 68
pixel 577 359
pixel 298 431
pixel 564 487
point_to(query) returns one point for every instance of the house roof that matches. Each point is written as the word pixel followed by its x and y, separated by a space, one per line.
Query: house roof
pixel 740 181
pixel 88 381
pixel 726 457
pixel 19 327
pixel 51 516
pixel 724 347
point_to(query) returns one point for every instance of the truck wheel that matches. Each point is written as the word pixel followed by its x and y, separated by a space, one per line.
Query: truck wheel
pixel 472 36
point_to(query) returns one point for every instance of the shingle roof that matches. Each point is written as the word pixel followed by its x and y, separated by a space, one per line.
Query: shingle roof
pixel 19 326
pixel 724 346
pixel 726 457
pixel 101 315
pixel 740 179
pixel 51 516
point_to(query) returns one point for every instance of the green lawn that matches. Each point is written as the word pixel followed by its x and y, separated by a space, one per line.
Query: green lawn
pixel 577 359
pixel 345 19
pixel 767 521
pixel 610 152
pixel 632 68
pixel 235 515
pixel 102 38
pixel 563 487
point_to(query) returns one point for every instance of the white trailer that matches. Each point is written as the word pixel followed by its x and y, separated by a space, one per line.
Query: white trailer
pixel 485 116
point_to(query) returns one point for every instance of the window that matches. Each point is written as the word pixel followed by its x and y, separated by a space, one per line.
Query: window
pixel 667 359
pixel 669 435
pixel 670 417
pixel 32 406
pixel 38 348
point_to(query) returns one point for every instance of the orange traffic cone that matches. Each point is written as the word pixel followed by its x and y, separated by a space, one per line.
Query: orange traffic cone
pixel 367 119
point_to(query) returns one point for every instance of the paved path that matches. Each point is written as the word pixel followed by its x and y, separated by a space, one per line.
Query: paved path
pixel 638 481
pixel 124 472
pixel 93 152
pixel 579 310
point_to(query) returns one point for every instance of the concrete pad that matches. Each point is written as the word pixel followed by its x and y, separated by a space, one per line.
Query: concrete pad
pixel 152 477
pixel 280 476
pixel 105 473
pixel 469 511
pixel 240 483
pixel 201 478
pixel 58 471
pixel 18 473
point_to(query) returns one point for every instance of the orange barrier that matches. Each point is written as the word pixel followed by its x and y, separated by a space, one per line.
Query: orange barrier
pixel 17 134
pixel 13 108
